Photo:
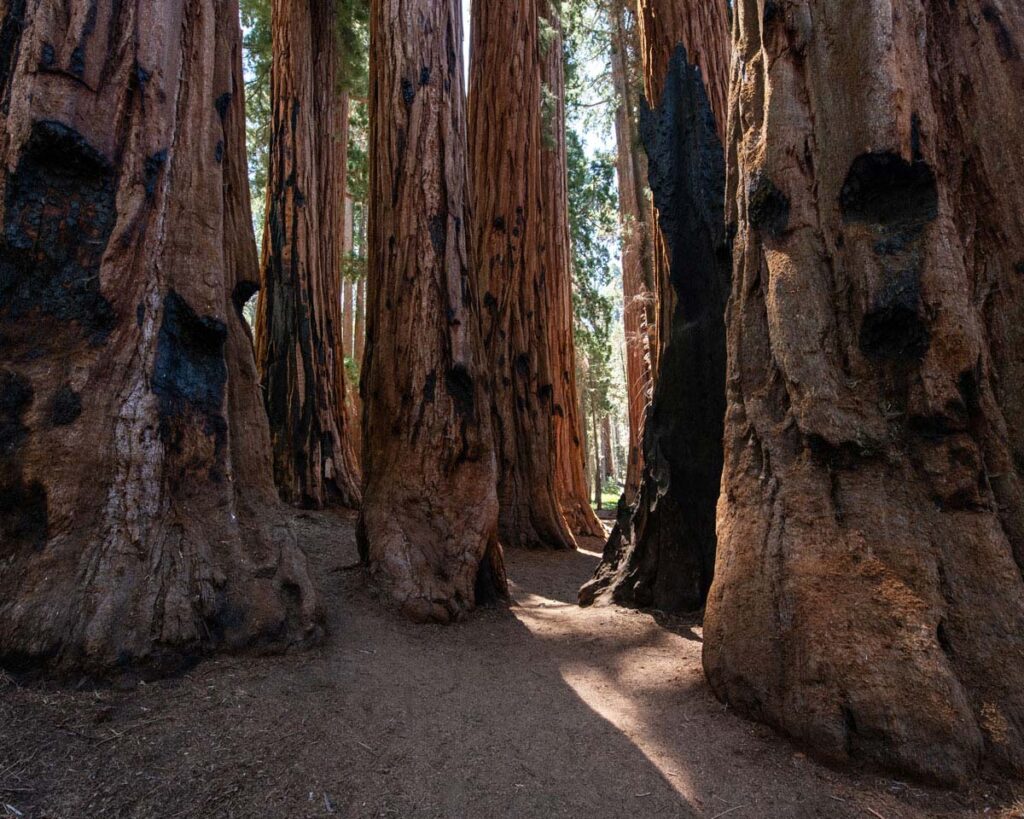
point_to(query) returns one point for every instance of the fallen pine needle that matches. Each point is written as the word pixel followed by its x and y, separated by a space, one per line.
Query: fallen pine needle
pixel 874 812
pixel 730 810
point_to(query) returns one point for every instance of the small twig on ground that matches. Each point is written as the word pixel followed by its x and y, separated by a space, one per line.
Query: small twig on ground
pixel 642 795
pixel 874 812
pixel 132 726
pixel 730 810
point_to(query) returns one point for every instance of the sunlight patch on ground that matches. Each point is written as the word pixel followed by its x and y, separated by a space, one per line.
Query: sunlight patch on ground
pixel 624 692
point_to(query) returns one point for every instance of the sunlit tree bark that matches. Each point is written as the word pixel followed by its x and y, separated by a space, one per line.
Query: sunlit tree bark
pixel 868 597
pixel 570 481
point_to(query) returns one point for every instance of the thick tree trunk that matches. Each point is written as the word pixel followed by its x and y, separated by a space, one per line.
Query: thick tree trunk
pixel 298 319
pixel 702 28
pixel 510 227
pixel 637 230
pixel 868 597
pixel 556 272
pixel 662 553
pixel 139 526
pixel 430 513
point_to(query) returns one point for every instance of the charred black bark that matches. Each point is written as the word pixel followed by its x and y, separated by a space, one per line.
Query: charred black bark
pixel 662 552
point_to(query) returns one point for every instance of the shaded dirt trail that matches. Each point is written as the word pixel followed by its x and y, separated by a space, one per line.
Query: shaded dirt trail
pixel 547 710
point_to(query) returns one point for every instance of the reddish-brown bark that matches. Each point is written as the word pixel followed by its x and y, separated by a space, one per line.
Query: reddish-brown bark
pixel 430 512
pixel 556 250
pixel 637 242
pixel 299 326
pixel 868 597
pixel 506 136
pixel 139 527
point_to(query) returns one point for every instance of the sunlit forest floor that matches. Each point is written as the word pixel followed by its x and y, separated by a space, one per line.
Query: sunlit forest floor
pixel 541 711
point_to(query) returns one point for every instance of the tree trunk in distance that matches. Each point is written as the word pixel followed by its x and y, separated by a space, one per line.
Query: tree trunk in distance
pixel 299 323
pixel 702 28
pixel 139 526
pixel 868 598
pixel 556 250
pixel 428 526
pixel 509 227
pixel 360 341
pixel 348 313
pixel 637 228
pixel 661 553
pixel 606 446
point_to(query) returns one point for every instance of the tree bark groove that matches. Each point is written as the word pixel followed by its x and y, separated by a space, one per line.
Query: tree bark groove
pixel 139 527
pixel 868 597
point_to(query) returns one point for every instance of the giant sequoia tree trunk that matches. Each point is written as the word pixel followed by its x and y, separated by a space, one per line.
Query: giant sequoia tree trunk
pixel 868 597
pixel 662 553
pixel 637 234
pixel 556 272
pixel 702 28
pixel 139 526
pixel 298 319
pixel 506 135
pixel 430 511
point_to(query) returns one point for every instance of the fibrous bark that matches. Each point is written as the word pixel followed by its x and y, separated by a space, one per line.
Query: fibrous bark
pixel 637 226
pixel 702 28
pixel 556 272
pixel 868 597
pixel 299 327
pixel 430 512
pixel 662 552
pixel 139 527
pixel 509 221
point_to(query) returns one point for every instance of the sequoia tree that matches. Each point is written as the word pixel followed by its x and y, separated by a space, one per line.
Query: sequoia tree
pixel 702 28
pixel 662 551
pixel 868 596
pixel 298 319
pixel 637 237
pixel 570 480
pixel 430 511
pixel 506 133
pixel 139 527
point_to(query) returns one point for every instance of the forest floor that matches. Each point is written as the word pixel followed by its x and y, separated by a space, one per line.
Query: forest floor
pixel 543 710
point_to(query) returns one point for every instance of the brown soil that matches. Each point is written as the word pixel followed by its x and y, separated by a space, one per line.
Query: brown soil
pixel 545 710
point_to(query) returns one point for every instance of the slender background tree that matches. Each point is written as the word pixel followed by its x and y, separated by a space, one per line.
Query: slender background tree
pixel 506 132
pixel 299 328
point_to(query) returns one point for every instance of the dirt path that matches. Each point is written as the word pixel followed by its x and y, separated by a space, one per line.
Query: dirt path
pixel 548 710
